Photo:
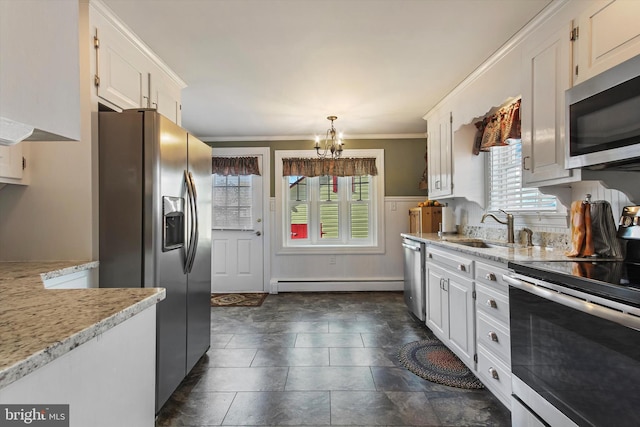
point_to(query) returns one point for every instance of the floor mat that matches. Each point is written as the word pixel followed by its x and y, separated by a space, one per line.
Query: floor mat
pixel 238 300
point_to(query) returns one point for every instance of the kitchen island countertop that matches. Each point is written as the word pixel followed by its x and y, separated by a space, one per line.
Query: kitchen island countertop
pixel 38 325
pixel 498 253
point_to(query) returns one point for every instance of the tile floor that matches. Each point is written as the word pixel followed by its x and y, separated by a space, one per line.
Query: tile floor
pixel 320 359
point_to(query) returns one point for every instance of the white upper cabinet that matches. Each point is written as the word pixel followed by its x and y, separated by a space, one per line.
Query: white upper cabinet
pixel 607 34
pixel 11 164
pixel 546 72
pixel 165 96
pixel 40 68
pixel 128 73
pixel 439 154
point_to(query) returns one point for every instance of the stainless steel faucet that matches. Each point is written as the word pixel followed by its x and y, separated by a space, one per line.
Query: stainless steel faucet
pixel 508 223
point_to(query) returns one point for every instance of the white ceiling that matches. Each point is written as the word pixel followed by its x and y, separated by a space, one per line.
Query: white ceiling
pixel 261 69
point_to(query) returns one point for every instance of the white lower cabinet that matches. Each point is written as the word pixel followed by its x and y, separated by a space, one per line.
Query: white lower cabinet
pixel 78 280
pixel 468 310
pixel 450 308
pixel 492 330
pixel 107 381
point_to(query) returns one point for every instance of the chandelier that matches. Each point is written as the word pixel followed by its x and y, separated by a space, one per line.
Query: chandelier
pixel 332 145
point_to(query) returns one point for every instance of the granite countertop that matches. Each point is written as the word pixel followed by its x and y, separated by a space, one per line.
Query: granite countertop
pixel 38 325
pixel 502 254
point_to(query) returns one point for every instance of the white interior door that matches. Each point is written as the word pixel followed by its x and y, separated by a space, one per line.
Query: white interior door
pixel 238 227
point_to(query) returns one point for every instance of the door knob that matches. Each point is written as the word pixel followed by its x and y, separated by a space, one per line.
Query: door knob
pixel 258 233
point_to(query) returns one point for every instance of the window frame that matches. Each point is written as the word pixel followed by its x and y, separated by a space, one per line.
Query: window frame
pixel 376 240
pixel 529 217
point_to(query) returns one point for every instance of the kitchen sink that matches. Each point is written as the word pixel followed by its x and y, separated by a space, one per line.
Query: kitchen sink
pixel 480 244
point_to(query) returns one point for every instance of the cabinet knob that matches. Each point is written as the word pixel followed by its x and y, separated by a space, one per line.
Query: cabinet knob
pixel 493 336
pixel 429 255
pixel 494 374
pixel 462 267
pixel 492 303
pixel 490 276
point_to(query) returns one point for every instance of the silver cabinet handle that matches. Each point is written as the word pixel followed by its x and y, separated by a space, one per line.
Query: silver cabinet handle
pixel 493 336
pixel 491 276
pixel 492 303
pixel 462 267
pixel 494 374
pixel 524 162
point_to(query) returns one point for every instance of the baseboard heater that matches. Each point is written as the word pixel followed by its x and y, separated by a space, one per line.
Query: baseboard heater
pixel 289 285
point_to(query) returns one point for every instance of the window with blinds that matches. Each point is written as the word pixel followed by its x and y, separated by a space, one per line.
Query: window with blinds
pixel 505 182
pixel 232 202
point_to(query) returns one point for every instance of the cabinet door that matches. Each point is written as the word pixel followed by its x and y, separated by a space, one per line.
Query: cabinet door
pixel 461 318
pixel 165 97
pixel 608 34
pixel 439 130
pixel 11 161
pixel 39 72
pixel 122 68
pixel 545 76
pixel 437 304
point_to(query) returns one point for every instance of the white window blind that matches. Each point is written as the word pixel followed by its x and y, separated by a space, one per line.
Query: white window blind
pixel 505 182
pixel 232 202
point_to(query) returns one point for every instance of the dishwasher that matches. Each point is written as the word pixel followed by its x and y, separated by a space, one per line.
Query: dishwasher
pixel 414 289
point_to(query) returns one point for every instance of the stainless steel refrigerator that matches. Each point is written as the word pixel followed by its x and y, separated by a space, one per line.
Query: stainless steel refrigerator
pixel 155 230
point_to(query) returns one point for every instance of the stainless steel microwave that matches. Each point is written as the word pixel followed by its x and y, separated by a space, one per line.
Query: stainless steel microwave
pixel 603 119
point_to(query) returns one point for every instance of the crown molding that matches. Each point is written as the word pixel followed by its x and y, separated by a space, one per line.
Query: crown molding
pixel 309 138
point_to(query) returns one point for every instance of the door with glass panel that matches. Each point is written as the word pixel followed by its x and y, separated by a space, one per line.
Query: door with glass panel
pixel 237 231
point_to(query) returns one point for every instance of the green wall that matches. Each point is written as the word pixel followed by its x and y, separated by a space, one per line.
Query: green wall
pixel 403 160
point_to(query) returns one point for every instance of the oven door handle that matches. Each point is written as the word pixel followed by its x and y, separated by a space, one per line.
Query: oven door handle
pixel 619 317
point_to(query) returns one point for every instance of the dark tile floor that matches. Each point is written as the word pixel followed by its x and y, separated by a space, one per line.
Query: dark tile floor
pixel 320 359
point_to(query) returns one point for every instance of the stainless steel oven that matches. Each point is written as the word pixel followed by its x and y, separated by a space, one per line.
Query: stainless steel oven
pixel 575 356
pixel 603 119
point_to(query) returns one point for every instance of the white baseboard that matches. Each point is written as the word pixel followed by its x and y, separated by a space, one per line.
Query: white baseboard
pixel 337 286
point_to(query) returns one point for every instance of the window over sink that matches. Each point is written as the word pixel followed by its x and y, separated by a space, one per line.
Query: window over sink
pixel 505 190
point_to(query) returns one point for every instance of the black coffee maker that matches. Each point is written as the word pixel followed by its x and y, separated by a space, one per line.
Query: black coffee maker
pixel 629 232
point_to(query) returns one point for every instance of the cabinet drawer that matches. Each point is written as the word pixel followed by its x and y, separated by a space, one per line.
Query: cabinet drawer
pixel 492 276
pixel 492 302
pixel 494 374
pixel 494 336
pixel 462 266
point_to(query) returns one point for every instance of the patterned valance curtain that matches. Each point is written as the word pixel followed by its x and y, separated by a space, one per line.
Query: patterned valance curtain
pixel 493 131
pixel 333 167
pixel 235 166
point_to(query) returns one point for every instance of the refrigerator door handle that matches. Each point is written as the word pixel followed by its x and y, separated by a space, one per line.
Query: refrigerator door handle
pixel 190 245
pixel 196 224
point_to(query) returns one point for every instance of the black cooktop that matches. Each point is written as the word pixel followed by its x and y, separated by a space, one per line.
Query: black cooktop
pixel 616 280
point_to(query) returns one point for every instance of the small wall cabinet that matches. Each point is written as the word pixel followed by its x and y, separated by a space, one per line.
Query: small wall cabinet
pixel 40 78
pixel 425 219
pixel 127 73
pixel 605 34
pixel 439 149
pixel 11 164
